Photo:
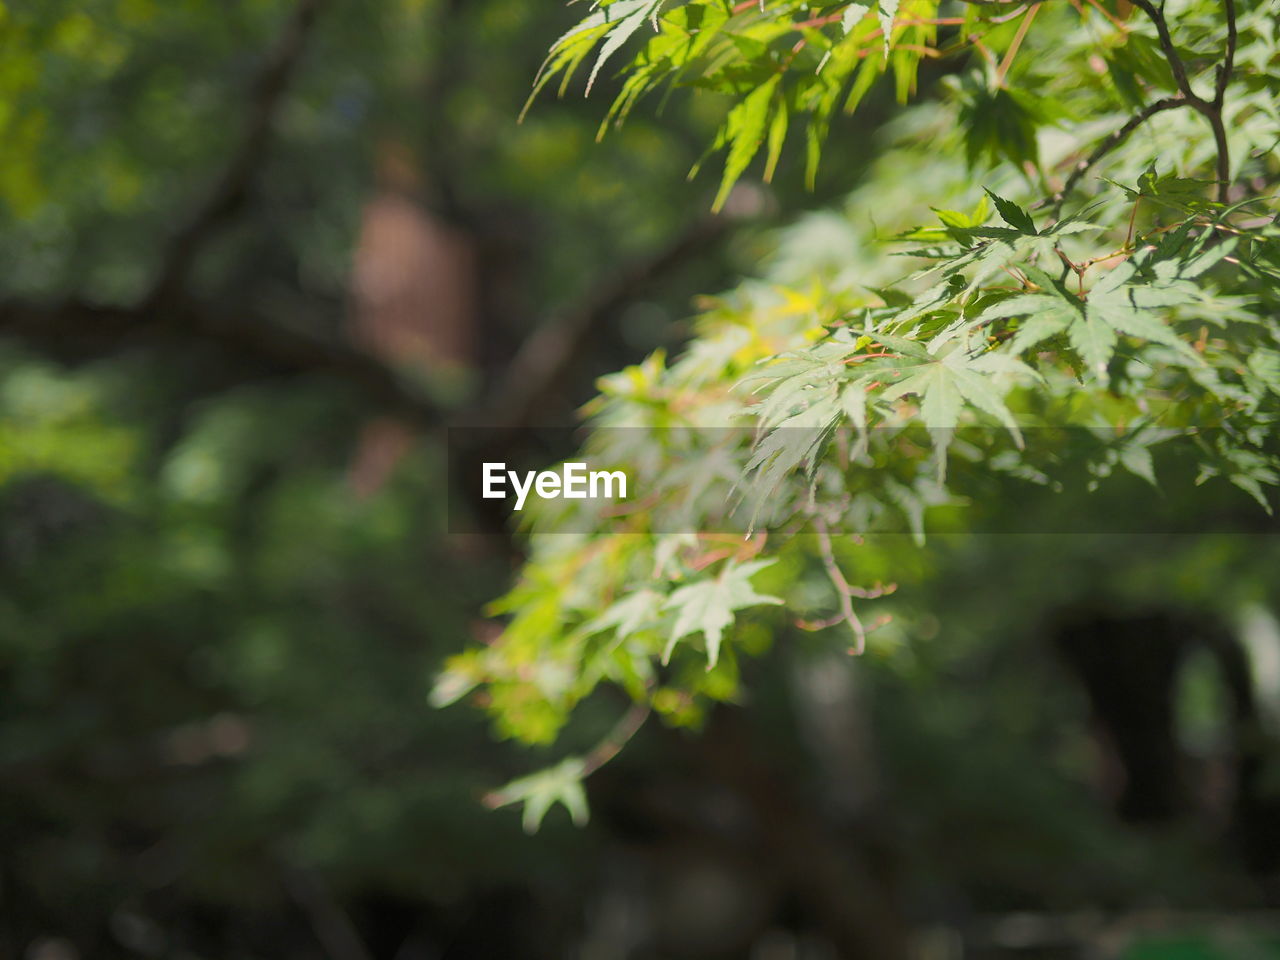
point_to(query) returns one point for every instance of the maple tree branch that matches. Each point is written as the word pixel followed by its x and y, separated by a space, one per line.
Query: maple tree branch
pixel 626 728
pixel 843 590
pixel 1211 110
pixel 1113 140
pixel 1223 173
pixel 1003 70
pixel 1229 59
pixel 1156 16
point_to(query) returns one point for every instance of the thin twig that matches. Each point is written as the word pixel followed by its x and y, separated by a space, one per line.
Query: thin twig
pixel 1210 109
pixel 982 48
pixel 1012 52
pixel 1115 21
pixel 843 590
pixel 618 737
pixel 1006 17
pixel 1112 141
pixel 604 751
pixel 1223 174
pixel 813 626
pixel 1170 51
pixel 1215 115
pixel 1229 59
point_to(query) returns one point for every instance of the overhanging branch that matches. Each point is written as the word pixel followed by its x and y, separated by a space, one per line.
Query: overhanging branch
pixel 1211 110
pixel 78 328
pixel 1113 140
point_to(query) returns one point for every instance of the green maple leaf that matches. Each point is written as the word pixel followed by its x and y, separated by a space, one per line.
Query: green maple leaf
pixel 1265 365
pixel 1013 215
pixel 540 791
pixel 708 606
pixel 745 132
pixel 628 615
pixel 1094 340
pixel 852 14
pixel 946 382
pixel 887 11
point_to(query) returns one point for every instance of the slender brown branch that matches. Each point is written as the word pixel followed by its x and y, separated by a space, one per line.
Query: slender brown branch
pixel 843 590
pixel 1211 110
pixel 1229 59
pixel 1214 112
pixel 618 737
pixel 232 187
pixel 1006 17
pixel 627 726
pixel 1170 51
pixel 813 626
pixel 1115 21
pixel 1113 140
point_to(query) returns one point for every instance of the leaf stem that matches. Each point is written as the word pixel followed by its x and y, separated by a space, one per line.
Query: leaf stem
pixel 618 737
pixel 1007 62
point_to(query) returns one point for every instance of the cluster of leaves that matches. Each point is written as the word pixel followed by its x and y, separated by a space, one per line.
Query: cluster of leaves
pixel 773 61
pixel 781 66
pixel 1140 325
pixel 179 525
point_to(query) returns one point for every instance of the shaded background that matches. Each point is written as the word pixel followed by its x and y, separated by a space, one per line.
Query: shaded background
pixel 255 255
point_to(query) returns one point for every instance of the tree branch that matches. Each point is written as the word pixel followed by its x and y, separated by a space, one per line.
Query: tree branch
pixel 540 365
pixel 1170 51
pixel 843 590
pixel 608 748
pixel 76 328
pixel 1229 60
pixel 1113 140
pixel 1223 173
pixel 1211 110
pixel 232 188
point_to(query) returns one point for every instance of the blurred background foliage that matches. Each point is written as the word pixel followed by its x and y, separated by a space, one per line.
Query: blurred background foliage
pixel 226 587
